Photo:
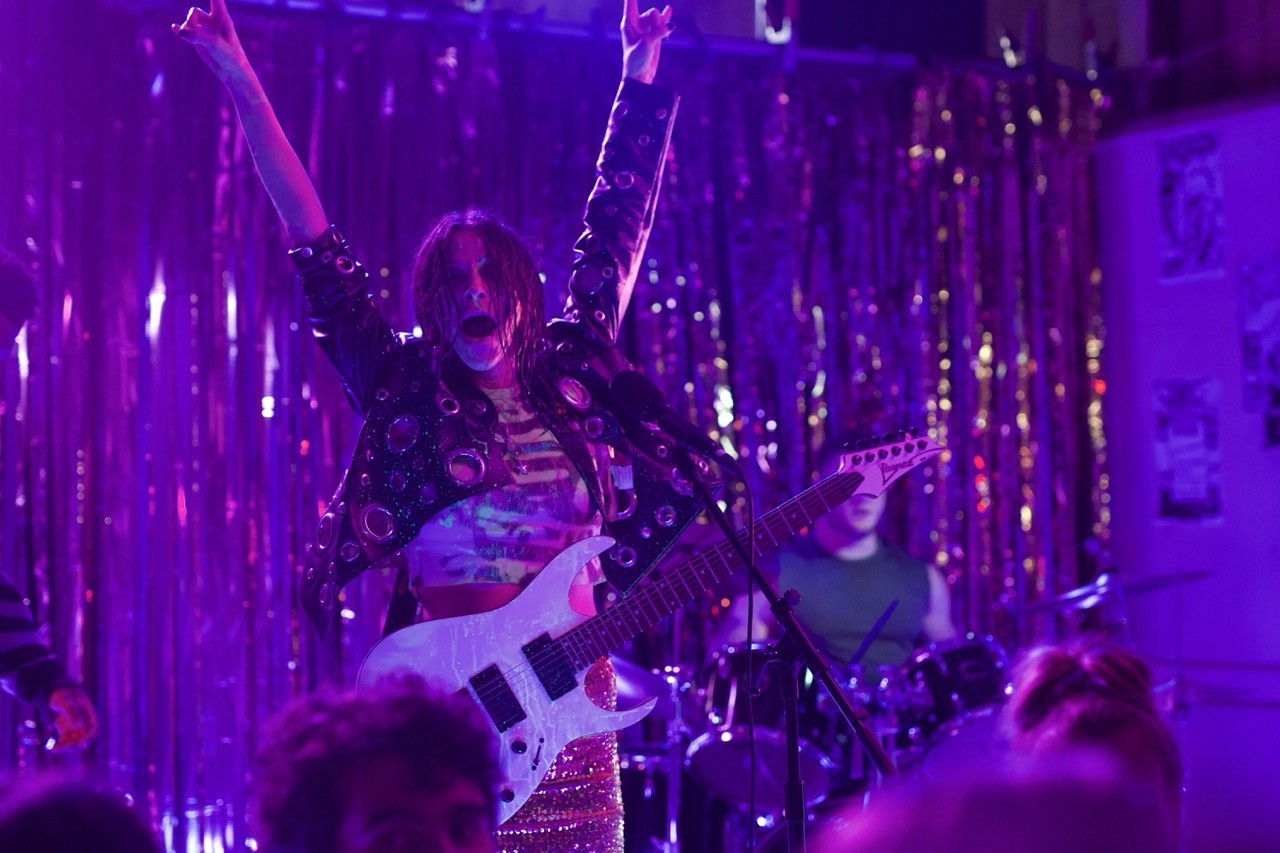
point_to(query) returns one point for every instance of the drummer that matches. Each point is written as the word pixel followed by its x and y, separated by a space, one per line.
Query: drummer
pixel 847 575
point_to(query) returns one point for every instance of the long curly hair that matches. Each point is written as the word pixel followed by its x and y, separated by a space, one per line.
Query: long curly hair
pixel 510 273
pixel 313 744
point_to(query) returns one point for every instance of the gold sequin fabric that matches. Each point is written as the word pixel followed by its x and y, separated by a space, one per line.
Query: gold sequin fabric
pixel 578 806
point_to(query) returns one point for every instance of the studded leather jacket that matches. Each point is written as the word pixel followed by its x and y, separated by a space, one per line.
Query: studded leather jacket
pixel 429 437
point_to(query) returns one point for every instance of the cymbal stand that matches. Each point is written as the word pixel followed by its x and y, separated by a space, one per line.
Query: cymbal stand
pixel 676 727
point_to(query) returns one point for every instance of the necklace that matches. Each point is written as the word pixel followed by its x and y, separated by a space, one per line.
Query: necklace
pixel 509 409
pixel 511 447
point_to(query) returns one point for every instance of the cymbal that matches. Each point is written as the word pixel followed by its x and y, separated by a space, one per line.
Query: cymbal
pixel 637 684
pixel 1151 583
pixel 1081 598
pixel 1182 689
pixel 1106 587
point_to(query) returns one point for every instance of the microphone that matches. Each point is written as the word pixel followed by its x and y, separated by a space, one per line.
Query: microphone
pixel 636 395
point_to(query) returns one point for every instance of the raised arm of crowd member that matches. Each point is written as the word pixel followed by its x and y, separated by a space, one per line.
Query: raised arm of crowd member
pixel 214 37
pixel 28 669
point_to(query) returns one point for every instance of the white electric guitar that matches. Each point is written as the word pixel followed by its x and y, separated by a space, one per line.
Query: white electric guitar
pixel 522 662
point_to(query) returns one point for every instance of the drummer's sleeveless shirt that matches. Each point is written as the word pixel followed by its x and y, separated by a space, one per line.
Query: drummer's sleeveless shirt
pixel 842 599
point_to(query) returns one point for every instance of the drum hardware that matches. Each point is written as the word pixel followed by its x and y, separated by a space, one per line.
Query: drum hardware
pixel 954 678
pixel 1107 588
pixel 880 472
pixel 952 696
pixel 648 762
pixel 937 714
pixel 646 775
pixel 677 730
pixel 720 758
pixel 1174 694
pixel 795 645
pixel 1102 604
pixel 894 705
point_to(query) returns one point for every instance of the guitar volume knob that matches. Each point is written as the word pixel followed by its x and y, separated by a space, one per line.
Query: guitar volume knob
pixel 519 747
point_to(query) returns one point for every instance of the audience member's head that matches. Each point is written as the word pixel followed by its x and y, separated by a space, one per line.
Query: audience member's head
pixel 1058 805
pixel 55 814
pixel 1094 695
pixel 397 767
pixel 17 297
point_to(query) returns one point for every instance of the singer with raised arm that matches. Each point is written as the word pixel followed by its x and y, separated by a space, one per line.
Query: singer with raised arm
pixel 495 439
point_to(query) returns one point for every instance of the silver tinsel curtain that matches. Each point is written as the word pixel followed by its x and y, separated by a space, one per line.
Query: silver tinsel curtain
pixel 876 243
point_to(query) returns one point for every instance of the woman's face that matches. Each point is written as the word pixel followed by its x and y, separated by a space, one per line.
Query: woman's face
pixel 482 324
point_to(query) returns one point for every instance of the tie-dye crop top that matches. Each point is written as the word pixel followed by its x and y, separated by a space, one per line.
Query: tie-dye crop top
pixel 507 535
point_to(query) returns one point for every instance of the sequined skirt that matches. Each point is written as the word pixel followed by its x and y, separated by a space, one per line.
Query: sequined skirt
pixel 578 806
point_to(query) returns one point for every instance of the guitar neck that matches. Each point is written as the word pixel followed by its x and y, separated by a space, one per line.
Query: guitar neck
pixel 597 636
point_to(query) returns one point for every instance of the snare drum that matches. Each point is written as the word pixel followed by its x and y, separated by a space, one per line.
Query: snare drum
pixel 720 758
pixel 952 681
pixel 876 690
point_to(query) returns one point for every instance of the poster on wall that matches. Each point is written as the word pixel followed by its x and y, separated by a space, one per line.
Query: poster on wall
pixel 1191 222
pixel 1188 413
pixel 1260 339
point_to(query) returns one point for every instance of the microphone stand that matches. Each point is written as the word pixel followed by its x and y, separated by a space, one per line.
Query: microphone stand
pixel 794 647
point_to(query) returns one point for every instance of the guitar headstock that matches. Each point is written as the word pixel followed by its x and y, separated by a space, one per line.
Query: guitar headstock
pixel 885 460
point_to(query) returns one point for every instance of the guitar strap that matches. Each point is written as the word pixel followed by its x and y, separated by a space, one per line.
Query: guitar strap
pixel 402 608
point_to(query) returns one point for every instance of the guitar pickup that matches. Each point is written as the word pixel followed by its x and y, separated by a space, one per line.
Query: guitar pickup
pixel 496 697
pixel 551 664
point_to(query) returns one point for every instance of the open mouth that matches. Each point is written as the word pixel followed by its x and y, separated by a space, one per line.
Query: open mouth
pixel 478 326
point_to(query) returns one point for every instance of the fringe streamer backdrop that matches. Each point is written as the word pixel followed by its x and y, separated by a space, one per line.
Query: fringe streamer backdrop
pixel 839 242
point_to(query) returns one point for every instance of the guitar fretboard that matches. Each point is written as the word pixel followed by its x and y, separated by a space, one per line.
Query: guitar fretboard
pixel 595 637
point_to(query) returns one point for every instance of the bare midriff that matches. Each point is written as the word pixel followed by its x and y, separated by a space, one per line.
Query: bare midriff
pixel 443 602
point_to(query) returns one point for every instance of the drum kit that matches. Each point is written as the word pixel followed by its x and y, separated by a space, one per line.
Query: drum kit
pixel 686 771
pixel 698 742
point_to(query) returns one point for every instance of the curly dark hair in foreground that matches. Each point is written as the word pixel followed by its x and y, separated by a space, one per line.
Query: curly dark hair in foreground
pixel 314 742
